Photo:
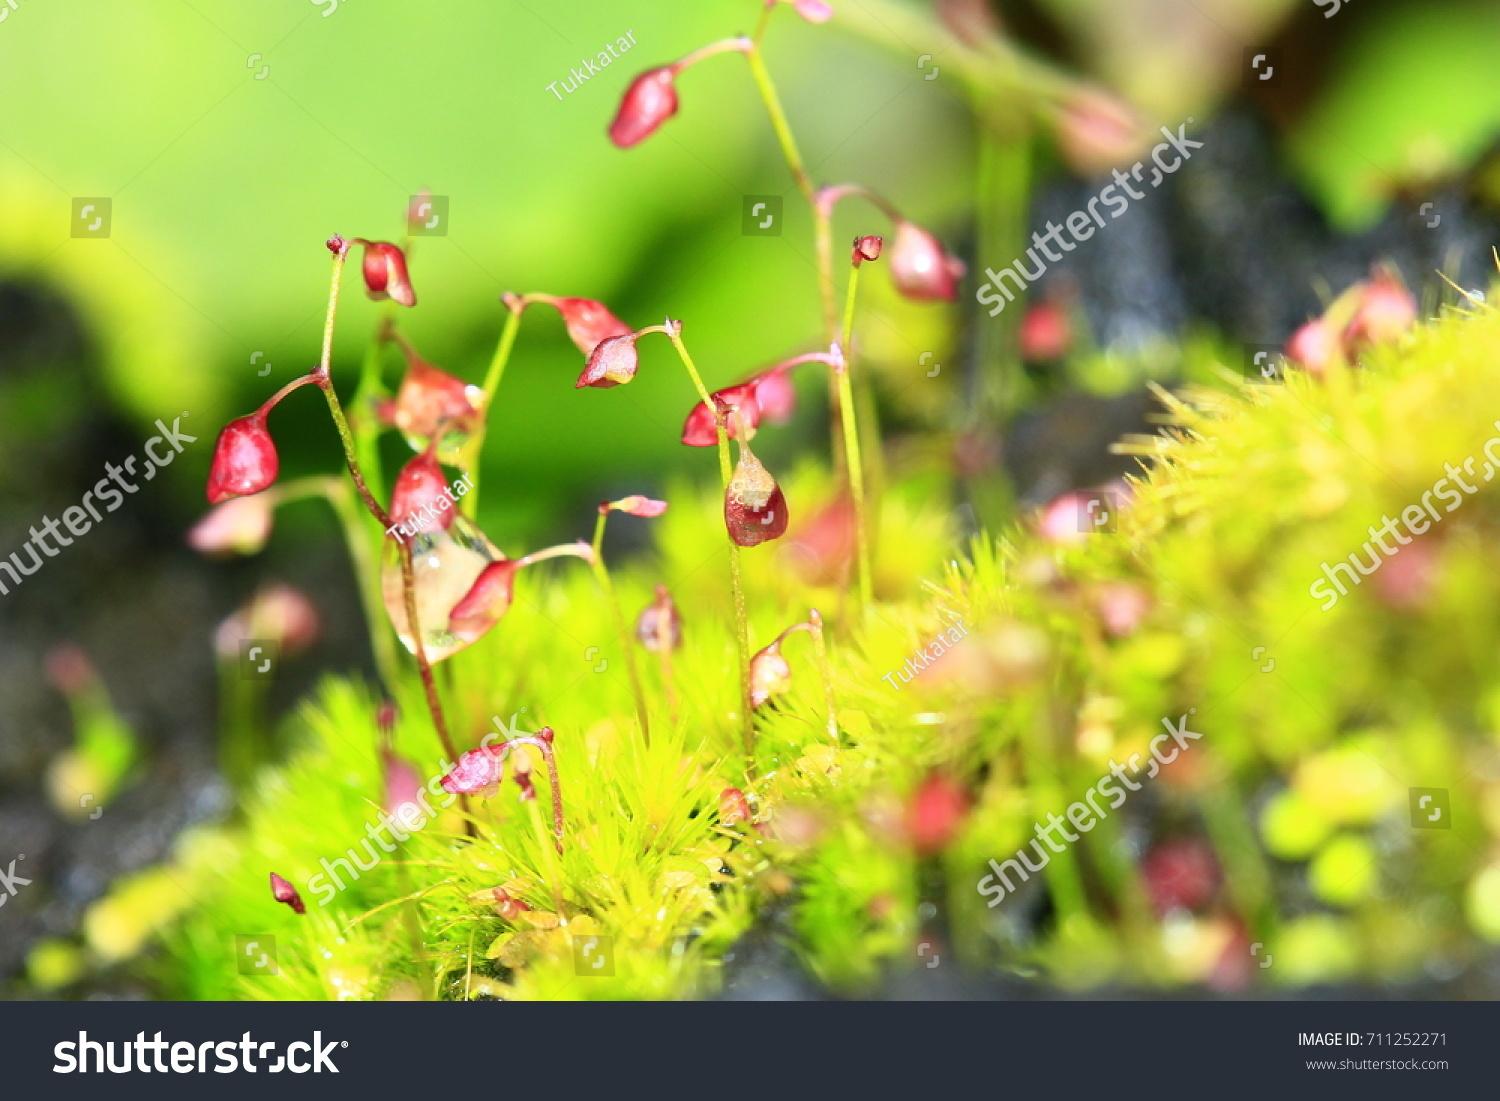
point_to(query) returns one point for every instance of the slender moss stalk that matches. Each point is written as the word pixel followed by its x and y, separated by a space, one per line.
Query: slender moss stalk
pixel 501 358
pixel 554 782
pixel 738 44
pixel 823 246
pixel 851 448
pixel 601 573
pixel 362 419
pixel 351 460
pixel 742 630
pixel 367 573
pixel 322 375
pixel 514 308
pixel 766 11
pixel 419 650
pixel 767 88
pixel 821 215
pixel 741 619
pixel 324 380
pixel 576 549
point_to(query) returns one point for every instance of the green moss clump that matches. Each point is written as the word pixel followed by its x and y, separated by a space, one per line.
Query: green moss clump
pixel 1315 727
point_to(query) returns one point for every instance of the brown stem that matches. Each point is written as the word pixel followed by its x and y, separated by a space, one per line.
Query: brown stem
pixel 673 329
pixel 346 435
pixel 419 651
pixel 324 380
pixel 553 781
pixel 275 399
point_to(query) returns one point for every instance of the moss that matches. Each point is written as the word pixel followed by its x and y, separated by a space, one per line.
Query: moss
pixel 1315 724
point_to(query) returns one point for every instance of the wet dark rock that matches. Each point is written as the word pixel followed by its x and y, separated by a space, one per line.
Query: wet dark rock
pixel 1231 240
pixel 1064 444
pixel 144 609
pixel 763 968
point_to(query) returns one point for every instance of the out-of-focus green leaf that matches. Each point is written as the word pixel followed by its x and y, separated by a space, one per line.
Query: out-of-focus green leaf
pixel 1414 96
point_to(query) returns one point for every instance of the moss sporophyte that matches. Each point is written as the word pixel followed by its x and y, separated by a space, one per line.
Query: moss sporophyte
pixel 443 585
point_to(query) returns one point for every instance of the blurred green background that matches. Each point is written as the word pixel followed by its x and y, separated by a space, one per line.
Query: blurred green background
pixel 232 138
